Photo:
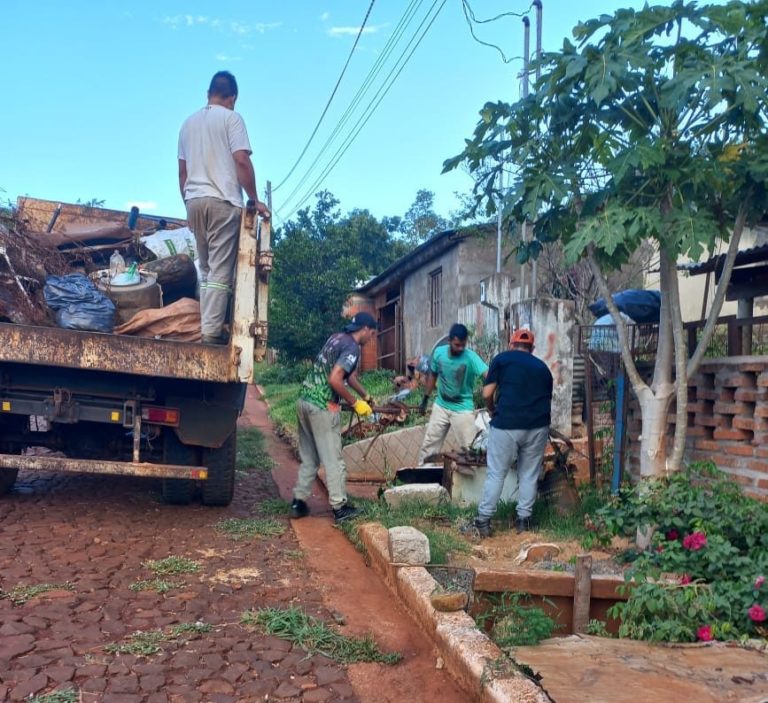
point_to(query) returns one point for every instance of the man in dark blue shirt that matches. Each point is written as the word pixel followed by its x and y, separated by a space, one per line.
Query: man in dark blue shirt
pixel 518 393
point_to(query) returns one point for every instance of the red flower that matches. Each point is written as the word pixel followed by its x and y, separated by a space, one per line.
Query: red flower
pixel 756 613
pixel 759 581
pixel 659 548
pixel 685 580
pixel 704 633
pixel 695 541
pixel 672 535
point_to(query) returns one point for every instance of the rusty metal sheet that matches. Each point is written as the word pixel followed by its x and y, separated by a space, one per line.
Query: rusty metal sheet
pixel 90 466
pixel 51 346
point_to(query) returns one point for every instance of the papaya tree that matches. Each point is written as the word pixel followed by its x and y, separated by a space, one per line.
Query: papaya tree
pixel 649 126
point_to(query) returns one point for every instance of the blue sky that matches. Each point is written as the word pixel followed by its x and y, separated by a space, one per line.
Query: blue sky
pixel 95 93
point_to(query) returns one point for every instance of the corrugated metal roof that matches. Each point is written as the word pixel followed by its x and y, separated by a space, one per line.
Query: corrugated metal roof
pixel 745 256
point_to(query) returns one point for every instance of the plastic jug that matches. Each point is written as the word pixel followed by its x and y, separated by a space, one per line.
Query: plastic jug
pixel 116 264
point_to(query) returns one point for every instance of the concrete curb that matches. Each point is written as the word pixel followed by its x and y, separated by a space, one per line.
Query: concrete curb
pixel 467 652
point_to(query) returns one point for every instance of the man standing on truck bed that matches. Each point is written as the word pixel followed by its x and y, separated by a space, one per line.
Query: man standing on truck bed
pixel 319 415
pixel 214 167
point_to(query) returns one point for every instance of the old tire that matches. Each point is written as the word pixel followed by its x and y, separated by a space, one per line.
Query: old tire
pixel 219 487
pixel 178 491
pixel 7 479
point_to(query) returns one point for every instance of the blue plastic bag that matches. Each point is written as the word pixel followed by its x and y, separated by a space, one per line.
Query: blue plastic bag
pixel 78 304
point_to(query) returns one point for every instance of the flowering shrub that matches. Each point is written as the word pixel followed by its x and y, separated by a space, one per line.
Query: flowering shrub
pixel 704 577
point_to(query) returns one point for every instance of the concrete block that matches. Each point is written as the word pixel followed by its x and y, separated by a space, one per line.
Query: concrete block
pixel 408 546
pixel 427 493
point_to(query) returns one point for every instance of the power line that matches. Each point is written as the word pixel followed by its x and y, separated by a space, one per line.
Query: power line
pixel 372 107
pixel 373 73
pixel 469 15
pixel 328 104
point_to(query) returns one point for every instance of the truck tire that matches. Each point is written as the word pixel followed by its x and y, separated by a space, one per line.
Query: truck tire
pixel 178 491
pixel 219 488
pixel 7 479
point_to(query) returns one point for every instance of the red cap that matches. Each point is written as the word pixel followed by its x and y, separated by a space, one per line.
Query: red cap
pixel 522 336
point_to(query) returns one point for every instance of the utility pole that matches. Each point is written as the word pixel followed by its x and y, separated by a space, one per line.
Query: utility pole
pixel 537 4
pixel 526 56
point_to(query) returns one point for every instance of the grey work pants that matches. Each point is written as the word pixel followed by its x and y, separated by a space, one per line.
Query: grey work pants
pixel 440 422
pixel 216 226
pixel 320 443
pixel 504 448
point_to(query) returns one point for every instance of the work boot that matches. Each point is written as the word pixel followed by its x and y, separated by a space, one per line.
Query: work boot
pixel 299 509
pixel 524 524
pixel 483 526
pixel 214 339
pixel 345 512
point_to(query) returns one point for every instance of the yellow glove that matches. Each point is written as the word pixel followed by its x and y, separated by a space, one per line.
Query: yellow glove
pixel 362 408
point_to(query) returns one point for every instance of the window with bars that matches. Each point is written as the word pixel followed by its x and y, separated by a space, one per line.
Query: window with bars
pixel 436 298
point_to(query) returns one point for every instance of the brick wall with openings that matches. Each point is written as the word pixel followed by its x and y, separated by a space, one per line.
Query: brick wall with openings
pixel 727 421
pixel 360 303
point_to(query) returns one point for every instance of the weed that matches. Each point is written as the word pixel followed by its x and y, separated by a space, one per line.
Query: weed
pixel 248 528
pixel 170 566
pixel 597 628
pixel 158 585
pixel 67 695
pixel 144 644
pixel 19 595
pixel 251 453
pixel 314 636
pixel 274 507
pixel 515 624
pixel 294 553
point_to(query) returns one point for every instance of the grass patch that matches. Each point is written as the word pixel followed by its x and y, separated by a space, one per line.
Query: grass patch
pixel 273 507
pixel 294 553
pixel 19 595
pixel 248 528
pixel 578 525
pixel 316 637
pixel 251 453
pixel 440 523
pixel 173 565
pixel 68 695
pixel 513 622
pixel 158 585
pixel 145 644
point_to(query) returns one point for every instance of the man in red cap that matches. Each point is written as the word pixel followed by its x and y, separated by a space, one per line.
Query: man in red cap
pixel 518 393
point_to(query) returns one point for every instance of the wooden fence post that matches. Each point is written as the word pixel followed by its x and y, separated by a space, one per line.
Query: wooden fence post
pixel 582 593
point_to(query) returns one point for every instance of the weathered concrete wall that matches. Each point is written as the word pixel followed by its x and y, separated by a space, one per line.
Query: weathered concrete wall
pixel 419 336
pixel 553 325
pixel 727 421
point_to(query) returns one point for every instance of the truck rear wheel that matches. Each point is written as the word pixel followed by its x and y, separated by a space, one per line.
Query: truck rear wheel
pixel 7 479
pixel 178 491
pixel 219 487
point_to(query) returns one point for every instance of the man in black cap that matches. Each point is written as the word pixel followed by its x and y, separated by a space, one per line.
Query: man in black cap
pixel 329 381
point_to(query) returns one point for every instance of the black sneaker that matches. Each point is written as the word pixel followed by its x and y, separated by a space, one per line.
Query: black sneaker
pixel 299 509
pixel 524 524
pixel 483 526
pixel 345 512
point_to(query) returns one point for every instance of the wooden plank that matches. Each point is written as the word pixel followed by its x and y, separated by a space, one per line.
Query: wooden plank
pixel 582 592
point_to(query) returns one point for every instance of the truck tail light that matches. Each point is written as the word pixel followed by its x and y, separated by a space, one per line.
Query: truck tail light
pixel 160 416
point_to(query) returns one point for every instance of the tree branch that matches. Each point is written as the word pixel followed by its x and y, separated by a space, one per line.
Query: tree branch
pixel 621 329
pixel 722 286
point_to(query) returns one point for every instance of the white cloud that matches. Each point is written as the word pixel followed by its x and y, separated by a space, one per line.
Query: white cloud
pixel 227 58
pixel 232 26
pixel 143 205
pixel 353 31
pixel 325 16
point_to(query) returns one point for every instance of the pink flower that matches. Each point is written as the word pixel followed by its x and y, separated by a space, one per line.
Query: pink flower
pixel 685 580
pixel 704 633
pixel 660 548
pixel 756 613
pixel 759 581
pixel 672 535
pixel 695 541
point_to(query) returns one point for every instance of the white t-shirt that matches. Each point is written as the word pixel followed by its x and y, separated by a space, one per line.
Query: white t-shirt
pixel 207 141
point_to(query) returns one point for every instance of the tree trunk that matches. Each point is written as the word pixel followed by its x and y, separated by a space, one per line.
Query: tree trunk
pixel 654 409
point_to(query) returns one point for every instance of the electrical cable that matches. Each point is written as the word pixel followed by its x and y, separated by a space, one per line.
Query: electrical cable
pixel 328 104
pixel 469 15
pixel 372 107
pixel 392 42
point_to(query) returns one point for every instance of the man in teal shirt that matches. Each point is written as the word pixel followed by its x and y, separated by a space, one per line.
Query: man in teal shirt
pixel 455 369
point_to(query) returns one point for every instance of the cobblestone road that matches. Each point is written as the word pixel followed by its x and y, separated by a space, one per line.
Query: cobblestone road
pixel 92 536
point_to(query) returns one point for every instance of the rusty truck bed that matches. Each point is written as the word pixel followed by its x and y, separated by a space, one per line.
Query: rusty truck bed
pixel 52 346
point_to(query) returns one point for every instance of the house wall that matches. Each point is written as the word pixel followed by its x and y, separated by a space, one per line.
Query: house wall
pixel 420 337
pixel 361 303
pixel 727 421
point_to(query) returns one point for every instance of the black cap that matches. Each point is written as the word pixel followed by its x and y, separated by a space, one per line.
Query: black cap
pixel 360 320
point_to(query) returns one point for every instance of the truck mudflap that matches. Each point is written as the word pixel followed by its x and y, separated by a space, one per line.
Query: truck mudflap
pixel 89 466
